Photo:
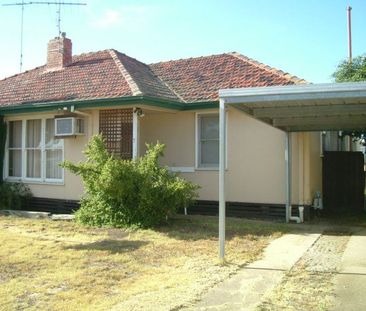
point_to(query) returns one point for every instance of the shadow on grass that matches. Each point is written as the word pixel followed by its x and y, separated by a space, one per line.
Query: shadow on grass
pixel 206 227
pixel 112 246
pixel 345 221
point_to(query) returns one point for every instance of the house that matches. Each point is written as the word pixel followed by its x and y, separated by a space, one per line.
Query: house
pixel 132 103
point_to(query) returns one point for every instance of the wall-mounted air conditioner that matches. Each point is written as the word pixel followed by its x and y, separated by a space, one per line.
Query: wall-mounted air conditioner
pixel 69 126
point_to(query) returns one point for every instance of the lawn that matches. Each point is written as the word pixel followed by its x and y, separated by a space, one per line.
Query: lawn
pixel 47 265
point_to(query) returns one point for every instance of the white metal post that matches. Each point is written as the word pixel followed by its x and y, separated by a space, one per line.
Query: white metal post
pixel 288 156
pixel 135 135
pixel 222 161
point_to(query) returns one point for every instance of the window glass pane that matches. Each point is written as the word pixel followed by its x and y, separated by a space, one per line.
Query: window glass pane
pixel 210 153
pixel 80 125
pixel 51 141
pixel 210 127
pixel 34 128
pixel 33 163
pixel 53 158
pixel 15 134
pixel 209 140
pixel 15 163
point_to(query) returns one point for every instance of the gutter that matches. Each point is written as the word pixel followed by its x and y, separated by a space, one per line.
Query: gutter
pixel 100 102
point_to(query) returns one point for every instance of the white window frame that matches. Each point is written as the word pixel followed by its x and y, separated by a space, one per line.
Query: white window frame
pixel 6 155
pixel 23 178
pixel 198 165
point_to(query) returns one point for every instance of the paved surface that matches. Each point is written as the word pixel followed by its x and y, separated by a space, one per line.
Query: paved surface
pixel 36 215
pixel 342 261
pixel 245 289
pixel 350 282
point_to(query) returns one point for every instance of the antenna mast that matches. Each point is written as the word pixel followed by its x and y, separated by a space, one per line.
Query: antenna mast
pixel 23 4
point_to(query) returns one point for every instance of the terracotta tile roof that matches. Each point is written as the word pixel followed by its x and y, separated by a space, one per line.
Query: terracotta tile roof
pixel 111 74
pixel 199 79
pixel 145 80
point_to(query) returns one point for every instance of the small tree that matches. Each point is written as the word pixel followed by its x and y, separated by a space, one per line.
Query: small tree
pixel 352 71
pixel 121 193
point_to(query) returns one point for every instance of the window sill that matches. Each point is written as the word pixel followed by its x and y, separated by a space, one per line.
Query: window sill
pixel 215 169
pixel 35 182
pixel 207 168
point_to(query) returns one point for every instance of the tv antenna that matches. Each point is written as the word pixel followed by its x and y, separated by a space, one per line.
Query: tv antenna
pixel 58 12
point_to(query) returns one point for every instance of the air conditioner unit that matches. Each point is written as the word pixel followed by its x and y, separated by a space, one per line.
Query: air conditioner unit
pixel 69 126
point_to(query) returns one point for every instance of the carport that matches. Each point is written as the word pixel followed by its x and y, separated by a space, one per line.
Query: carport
pixel 293 108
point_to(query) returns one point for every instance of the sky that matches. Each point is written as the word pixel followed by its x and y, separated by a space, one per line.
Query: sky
pixel 307 38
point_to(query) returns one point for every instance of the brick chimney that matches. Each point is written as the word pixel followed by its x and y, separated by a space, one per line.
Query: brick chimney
pixel 59 53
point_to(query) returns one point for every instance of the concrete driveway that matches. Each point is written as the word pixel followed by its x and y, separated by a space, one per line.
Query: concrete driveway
pixel 314 268
pixel 350 281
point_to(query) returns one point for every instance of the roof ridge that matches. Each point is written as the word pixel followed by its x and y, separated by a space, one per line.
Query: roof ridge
pixel 131 82
pixel 274 70
pixel 189 58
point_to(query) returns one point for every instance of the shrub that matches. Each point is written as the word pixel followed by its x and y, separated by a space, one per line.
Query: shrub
pixel 13 195
pixel 121 193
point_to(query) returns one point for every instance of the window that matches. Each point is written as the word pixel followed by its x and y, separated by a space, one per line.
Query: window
pixel 15 149
pixel 33 148
pixel 208 140
pixel 33 153
pixel 54 152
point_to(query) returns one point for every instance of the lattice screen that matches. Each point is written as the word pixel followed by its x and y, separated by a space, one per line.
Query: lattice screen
pixel 116 127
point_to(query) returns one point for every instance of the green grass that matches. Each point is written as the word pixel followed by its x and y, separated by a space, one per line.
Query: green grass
pixel 47 265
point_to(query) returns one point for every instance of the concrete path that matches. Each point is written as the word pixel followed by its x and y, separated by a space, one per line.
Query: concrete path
pixel 244 290
pixel 350 282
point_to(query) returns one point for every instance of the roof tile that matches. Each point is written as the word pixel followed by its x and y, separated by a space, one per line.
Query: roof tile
pixel 111 74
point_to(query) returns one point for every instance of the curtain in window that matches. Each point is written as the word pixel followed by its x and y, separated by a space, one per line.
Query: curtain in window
pixel 53 149
pixel 33 148
pixel 15 149
pixel 209 140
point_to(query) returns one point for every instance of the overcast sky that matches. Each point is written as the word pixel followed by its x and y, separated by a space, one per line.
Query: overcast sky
pixel 306 38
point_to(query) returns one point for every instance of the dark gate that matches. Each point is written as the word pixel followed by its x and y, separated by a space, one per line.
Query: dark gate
pixel 343 182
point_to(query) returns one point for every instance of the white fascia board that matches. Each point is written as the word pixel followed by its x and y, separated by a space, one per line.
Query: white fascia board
pixel 294 93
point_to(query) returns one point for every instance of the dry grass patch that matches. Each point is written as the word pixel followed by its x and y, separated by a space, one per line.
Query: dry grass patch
pixel 48 265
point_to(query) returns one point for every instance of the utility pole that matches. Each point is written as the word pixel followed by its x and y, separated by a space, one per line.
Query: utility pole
pixel 23 4
pixel 349 9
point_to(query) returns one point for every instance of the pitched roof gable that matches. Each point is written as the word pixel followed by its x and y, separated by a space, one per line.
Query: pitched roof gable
pixel 111 74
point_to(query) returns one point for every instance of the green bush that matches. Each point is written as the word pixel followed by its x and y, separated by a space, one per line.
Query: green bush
pixel 121 193
pixel 13 195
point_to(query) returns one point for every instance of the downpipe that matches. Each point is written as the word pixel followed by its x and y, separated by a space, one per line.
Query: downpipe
pixel 299 219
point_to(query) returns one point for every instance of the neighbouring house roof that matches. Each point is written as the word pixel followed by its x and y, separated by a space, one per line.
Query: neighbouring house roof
pixel 110 74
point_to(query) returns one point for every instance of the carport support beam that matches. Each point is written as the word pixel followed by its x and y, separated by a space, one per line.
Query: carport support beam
pixel 288 155
pixel 222 161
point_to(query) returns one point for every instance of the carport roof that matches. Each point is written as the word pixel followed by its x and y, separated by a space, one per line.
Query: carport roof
pixel 307 107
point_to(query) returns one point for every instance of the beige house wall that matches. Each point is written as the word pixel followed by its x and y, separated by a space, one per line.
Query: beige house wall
pixel 256 166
